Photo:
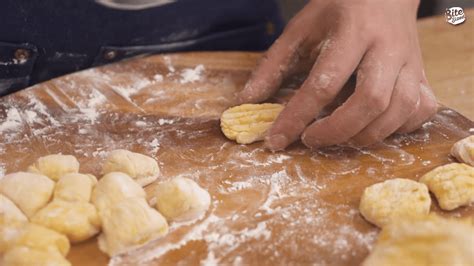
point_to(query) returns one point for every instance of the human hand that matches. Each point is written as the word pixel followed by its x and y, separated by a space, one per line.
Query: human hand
pixel 375 39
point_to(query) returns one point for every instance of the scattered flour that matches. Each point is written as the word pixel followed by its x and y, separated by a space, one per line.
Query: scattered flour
pixel 169 64
pixel 127 91
pixel 191 74
pixel 154 145
pixel 158 78
pixel 163 121
pixel 12 121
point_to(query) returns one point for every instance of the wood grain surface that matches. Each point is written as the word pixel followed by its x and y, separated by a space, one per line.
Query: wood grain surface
pixel 293 207
pixel 448 55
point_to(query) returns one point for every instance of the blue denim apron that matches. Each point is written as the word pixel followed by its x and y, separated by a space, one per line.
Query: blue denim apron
pixel 40 40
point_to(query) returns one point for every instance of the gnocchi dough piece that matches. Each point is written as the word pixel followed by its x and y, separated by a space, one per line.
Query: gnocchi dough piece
pixel 248 123
pixel 141 168
pixel 25 256
pixel 452 185
pixel 41 238
pixel 113 188
pixel 75 187
pixel 463 150
pixel 30 192
pixel 10 211
pixel 55 165
pixel 10 229
pixel 181 199
pixel 429 241
pixel 393 199
pixel 77 220
pixel 128 224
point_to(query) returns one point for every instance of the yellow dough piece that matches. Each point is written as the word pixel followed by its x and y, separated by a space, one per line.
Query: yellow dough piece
pixel 141 168
pixel 77 220
pixel 463 150
pixel 452 184
pixel 30 192
pixel 128 224
pixel 75 187
pixel 429 241
pixel 10 211
pixel 394 199
pixel 41 238
pixel 248 123
pixel 10 229
pixel 25 256
pixel 181 199
pixel 55 165
pixel 115 187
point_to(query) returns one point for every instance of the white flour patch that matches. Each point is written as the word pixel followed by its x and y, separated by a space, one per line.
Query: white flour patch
pixel 238 186
pixel 128 91
pixel 168 64
pixel 31 116
pixel 90 114
pixel 210 260
pixel 163 121
pixel 40 108
pixel 154 145
pixel 12 121
pixel 140 123
pixel 158 78
pixel 99 153
pixel 191 74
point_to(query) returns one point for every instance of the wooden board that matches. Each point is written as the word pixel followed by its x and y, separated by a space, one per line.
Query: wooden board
pixel 293 207
pixel 297 206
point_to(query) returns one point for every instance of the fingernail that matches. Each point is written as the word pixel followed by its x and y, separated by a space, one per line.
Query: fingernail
pixel 276 142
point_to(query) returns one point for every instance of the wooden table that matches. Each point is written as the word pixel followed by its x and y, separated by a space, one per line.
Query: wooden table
pixel 448 54
pixel 292 207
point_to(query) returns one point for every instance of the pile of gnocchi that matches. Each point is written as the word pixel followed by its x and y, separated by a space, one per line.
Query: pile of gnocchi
pixel 411 235
pixel 51 205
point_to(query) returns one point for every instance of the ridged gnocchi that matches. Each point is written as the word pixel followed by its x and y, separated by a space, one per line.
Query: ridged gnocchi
pixel 394 199
pixel 248 123
pixel 452 185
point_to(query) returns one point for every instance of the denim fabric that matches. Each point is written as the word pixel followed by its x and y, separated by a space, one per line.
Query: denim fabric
pixel 40 40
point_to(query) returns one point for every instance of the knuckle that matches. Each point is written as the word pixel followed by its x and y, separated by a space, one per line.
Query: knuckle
pixel 376 101
pixel 410 101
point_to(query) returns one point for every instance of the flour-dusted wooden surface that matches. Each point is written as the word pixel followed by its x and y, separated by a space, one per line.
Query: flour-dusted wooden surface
pixel 292 207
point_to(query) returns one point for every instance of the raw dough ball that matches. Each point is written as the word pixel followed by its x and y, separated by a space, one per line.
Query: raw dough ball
pixel 452 184
pixel 115 187
pixel 10 229
pixel 25 256
pixel 141 168
pixel 30 192
pixel 75 187
pixel 429 241
pixel 249 123
pixel 77 220
pixel 394 199
pixel 130 223
pixel 10 211
pixel 463 150
pixel 181 199
pixel 55 165
pixel 41 238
